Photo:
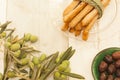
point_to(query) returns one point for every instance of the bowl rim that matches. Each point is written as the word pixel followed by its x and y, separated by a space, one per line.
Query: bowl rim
pixel 93 61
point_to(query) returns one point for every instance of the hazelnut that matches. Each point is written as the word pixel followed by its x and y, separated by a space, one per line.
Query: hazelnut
pixel 103 66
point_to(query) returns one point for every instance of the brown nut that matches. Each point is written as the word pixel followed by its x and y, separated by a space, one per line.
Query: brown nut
pixel 110 77
pixel 103 66
pixel 111 68
pixel 103 76
pixel 118 72
pixel 108 59
pixel 117 78
pixel 116 55
pixel 117 64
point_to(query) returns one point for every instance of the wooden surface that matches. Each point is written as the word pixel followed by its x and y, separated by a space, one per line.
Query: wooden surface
pixel 44 17
pixel 37 17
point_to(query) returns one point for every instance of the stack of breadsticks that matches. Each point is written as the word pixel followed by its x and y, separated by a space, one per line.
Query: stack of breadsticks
pixel 80 16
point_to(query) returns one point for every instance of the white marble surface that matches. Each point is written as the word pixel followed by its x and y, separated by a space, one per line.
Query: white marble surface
pixel 43 17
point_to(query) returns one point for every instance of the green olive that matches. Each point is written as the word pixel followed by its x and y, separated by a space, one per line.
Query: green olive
pixel 42 57
pixel 68 69
pixel 66 62
pixel 11 74
pixel 24 61
pixel 39 65
pixel 57 74
pixel 1 76
pixel 35 60
pixel 62 67
pixel 57 60
pixel 27 37
pixel 9 39
pixel 31 65
pixel 23 55
pixel 61 54
pixel 33 38
pixel 21 41
pixel 15 47
pixel 7 44
pixel 3 34
pixel 64 77
pixel 17 53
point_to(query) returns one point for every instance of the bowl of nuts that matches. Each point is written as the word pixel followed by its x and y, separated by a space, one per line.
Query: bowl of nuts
pixel 106 64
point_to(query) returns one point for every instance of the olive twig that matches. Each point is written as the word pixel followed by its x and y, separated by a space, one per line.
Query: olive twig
pixel 10 33
pixel 23 77
pixel 24 67
pixel 15 58
pixel 20 62
pixel 72 75
pixel 4 26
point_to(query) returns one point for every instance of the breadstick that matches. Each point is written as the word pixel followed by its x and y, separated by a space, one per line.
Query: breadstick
pixel 87 19
pixel 71 7
pixel 78 26
pixel 77 32
pixel 71 30
pixel 78 29
pixel 85 33
pixel 74 12
pixel 105 2
pixel 79 17
pixel 65 27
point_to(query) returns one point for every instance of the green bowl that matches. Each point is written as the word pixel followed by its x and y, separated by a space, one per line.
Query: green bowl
pixel 98 58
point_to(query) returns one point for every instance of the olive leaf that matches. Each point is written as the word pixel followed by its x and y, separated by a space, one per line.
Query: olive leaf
pixel 73 75
pixel 65 55
pixel 20 64
pixel 70 54
pixel 4 26
pixel 51 66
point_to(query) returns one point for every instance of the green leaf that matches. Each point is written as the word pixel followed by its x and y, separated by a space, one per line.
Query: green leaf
pixel 65 55
pixel 24 71
pixel 52 61
pixel 73 75
pixel 70 54
pixel 50 68
pixel 4 26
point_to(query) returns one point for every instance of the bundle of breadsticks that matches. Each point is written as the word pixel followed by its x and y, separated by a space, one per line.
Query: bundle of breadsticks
pixel 80 16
